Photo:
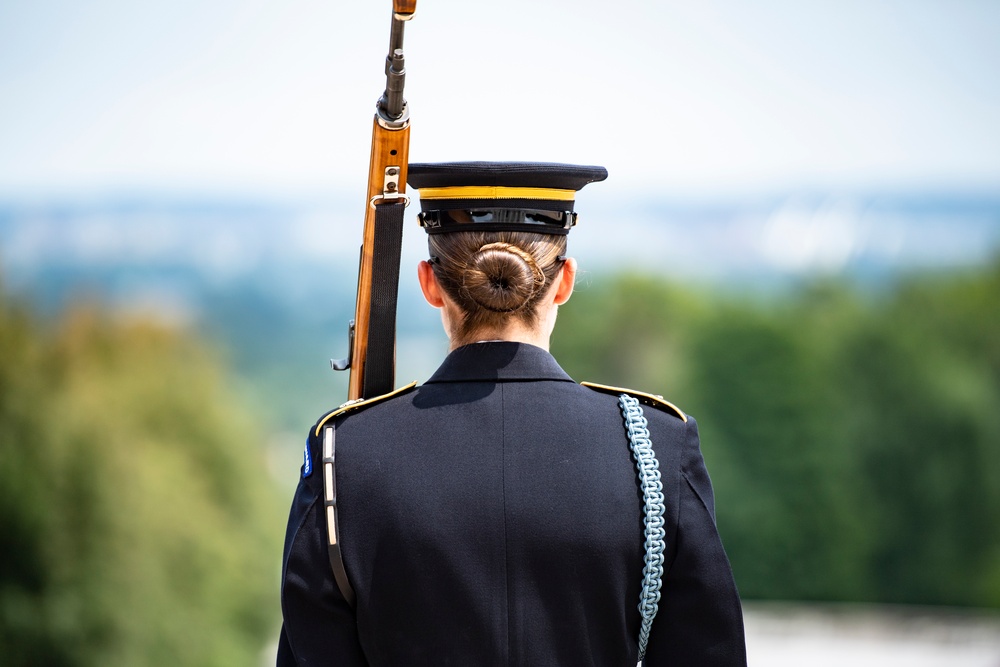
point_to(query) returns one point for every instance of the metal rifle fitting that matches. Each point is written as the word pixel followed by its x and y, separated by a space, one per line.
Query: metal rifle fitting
pixel 392 102
pixel 392 111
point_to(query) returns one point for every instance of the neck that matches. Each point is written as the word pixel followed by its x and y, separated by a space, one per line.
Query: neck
pixel 512 334
pixel 514 331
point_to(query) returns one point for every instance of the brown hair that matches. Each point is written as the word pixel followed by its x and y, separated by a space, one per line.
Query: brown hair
pixel 494 276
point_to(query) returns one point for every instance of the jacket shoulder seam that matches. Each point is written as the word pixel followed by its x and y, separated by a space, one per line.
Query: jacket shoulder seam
pixel 652 400
pixel 360 404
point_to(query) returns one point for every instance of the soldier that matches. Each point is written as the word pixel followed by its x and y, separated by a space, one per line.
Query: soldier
pixel 495 515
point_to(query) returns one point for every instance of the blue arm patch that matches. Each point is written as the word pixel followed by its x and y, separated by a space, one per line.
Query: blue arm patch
pixel 307 462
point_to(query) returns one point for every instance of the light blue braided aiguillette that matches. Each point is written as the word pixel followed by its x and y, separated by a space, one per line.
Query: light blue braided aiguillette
pixel 648 469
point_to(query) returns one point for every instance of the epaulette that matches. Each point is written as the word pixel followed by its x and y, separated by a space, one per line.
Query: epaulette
pixel 653 400
pixel 358 403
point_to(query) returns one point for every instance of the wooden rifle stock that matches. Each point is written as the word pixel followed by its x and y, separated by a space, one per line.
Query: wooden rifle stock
pixel 404 7
pixel 371 358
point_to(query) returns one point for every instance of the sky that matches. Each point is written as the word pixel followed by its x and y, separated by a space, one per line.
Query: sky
pixel 673 96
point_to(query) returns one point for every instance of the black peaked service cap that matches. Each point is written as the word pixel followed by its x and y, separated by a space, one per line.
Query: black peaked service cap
pixel 500 196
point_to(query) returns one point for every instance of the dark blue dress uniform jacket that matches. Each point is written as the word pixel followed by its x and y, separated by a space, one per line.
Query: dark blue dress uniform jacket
pixel 493 517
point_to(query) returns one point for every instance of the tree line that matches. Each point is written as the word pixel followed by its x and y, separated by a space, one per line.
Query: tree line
pixel 853 436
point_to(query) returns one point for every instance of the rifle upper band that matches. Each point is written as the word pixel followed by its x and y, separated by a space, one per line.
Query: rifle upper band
pixel 393 123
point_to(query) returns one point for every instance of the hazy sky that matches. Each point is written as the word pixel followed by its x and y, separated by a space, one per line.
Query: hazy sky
pixel 671 96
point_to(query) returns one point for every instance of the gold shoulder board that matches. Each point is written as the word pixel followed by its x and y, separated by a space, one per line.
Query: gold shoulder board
pixel 653 400
pixel 358 403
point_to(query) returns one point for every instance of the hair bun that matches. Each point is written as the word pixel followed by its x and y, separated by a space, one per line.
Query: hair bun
pixel 502 277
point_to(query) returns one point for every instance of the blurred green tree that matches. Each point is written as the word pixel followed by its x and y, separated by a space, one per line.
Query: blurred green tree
pixel 784 471
pixel 137 524
pixel 925 378
pixel 854 438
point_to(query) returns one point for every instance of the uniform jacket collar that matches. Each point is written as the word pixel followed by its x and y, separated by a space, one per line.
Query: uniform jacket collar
pixel 499 361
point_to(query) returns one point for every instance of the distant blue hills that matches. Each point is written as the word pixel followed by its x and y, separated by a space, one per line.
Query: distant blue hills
pixel 274 280
pixel 230 238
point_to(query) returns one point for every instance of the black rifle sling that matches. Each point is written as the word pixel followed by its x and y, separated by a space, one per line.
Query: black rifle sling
pixel 330 506
pixel 380 365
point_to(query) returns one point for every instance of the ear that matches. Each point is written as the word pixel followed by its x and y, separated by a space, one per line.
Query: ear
pixel 429 284
pixel 565 280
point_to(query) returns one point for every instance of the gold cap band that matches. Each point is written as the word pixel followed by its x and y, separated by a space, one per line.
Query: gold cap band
pixel 496 192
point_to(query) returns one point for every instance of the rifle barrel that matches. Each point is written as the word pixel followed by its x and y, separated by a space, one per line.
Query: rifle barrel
pixel 392 106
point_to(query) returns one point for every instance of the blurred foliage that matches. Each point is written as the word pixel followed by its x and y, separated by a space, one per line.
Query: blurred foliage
pixel 137 524
pixel 853 439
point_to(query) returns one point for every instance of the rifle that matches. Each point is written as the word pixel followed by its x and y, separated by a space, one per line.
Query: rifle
pixel 371 355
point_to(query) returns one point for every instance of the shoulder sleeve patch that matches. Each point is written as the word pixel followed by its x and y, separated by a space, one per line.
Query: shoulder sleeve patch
pixel 652 400
pixel 361 403
pixel 307 464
